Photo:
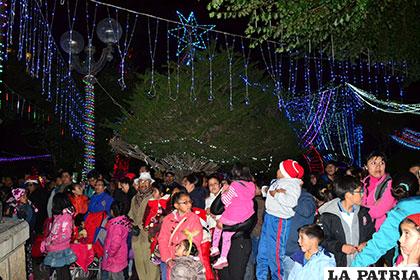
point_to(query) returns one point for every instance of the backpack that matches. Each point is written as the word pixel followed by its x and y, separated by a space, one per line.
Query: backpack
pixel 100 233
pixel 380 189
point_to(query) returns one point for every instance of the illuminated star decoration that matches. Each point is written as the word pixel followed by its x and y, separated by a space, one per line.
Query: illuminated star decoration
pixel 190 36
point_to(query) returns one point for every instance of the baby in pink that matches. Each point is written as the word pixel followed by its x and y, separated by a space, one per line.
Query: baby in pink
pixel 239 207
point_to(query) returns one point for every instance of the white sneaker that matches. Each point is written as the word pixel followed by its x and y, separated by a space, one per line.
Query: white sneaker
pixel 214 251
pixel 220 263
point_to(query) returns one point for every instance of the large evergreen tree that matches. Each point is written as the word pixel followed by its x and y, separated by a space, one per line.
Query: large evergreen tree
pixel 172 122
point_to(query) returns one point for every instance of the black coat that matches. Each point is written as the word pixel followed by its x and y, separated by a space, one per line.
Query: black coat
pixel 335 237
pixel 240 249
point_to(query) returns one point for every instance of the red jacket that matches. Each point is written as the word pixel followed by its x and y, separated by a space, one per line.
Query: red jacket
pixel 173 231
pixel 80 203
pixel 152 209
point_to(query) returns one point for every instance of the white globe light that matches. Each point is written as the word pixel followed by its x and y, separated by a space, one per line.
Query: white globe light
pixel 72 42
pixel 109 31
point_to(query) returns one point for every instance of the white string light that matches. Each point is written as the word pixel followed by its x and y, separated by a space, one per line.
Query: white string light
pixel 385 106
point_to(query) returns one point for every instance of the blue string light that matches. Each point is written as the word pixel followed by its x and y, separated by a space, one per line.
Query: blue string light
pixel 36 45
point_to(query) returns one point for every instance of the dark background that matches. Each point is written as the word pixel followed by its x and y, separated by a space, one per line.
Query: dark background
pixel 22 137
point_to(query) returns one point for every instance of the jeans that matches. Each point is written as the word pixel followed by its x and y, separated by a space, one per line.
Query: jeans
pixel 107 275
pixel 250 267
pixel 163 271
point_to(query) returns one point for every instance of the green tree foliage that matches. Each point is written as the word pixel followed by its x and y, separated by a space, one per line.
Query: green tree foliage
pixel 257 130
pixel 385 29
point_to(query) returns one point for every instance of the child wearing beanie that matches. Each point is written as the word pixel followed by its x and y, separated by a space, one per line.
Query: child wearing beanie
pixel 281 197
pixel 409 242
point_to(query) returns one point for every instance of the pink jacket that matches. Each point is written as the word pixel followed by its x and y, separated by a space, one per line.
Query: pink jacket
pixel 115 247
pixel 238 201
pixel 60 234
pixel 377 208
pixel 173 231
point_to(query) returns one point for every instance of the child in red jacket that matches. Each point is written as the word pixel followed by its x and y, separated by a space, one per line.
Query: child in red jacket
pixel 155 211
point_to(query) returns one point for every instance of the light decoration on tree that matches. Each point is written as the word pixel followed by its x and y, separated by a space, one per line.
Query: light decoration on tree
pixel 268 161
pixel 191 38
pixel 385 106
pixel 408 138
pixel 89 139
pixel 358 130
pixel 13 159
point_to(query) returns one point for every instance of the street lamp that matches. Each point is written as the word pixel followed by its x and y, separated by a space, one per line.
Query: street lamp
pixel 109 31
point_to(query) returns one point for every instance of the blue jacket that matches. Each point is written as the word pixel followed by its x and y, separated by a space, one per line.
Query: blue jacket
pixel 313 269
pixel 100 202
pixel 304 215
pixel 387 236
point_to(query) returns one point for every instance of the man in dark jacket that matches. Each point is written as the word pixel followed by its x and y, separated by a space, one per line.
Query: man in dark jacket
pixel 347 225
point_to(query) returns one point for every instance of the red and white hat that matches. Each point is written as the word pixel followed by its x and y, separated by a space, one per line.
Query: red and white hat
pixel 291 169
pixel 32 179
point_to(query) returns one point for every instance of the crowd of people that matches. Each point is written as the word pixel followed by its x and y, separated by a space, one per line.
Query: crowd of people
pixel 220 226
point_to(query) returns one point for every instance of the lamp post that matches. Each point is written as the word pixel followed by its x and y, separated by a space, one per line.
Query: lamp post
pixel 109 31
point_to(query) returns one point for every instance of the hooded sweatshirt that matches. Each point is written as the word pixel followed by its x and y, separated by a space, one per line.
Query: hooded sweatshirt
pixel 387 236
pixel 378 207
pixel 335 221
pixel 311 269
pixel 115 246
pixel 282 204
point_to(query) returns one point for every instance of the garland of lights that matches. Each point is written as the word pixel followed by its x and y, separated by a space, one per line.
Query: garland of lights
pixel 11 100
pixel 24 158
pixel 387 106
pixel 89 139
pixel 234 159
pixel 35 45
pixel 408 138
pixel 3 24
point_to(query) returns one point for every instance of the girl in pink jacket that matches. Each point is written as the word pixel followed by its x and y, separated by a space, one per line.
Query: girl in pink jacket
pixel 239 207
pixel 377 189
pixel 115 247
pixel 179 225
pixel 57 244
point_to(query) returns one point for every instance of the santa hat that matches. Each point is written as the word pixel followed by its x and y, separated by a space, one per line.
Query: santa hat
pixel 291 169
pixel 415 218
pixel 32 180
pixel 18 193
